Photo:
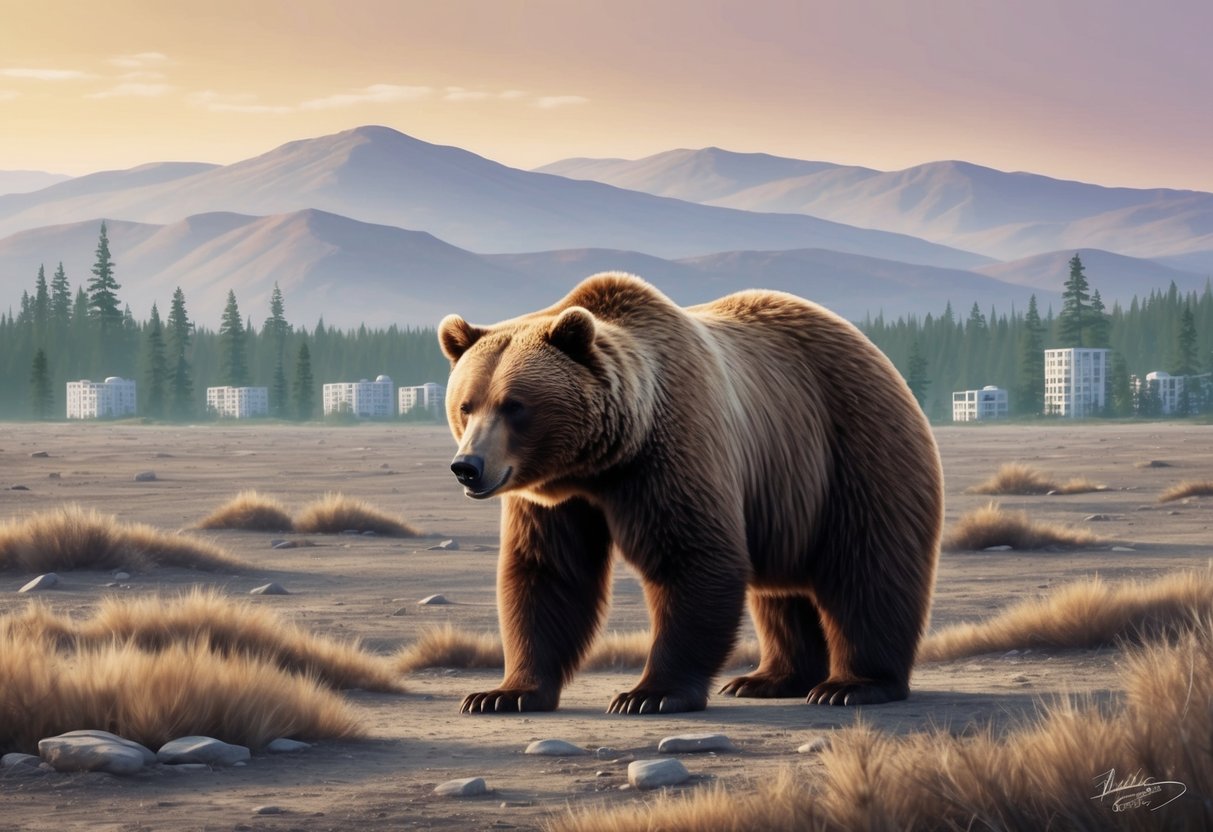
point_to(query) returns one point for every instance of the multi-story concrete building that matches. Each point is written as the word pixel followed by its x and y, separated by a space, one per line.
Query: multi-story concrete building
pixel 362 399
pixel 238 402
pixel 109 399
pixel 989 402
pixel 1076 382
pixel 429 397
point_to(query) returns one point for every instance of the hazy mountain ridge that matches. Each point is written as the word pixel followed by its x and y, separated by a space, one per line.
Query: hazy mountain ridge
pixel 24 181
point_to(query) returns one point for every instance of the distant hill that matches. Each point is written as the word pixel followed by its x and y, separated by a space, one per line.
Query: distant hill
pixel 23 181
pixel 378 175
pixel 1002 215
pixel 1115 276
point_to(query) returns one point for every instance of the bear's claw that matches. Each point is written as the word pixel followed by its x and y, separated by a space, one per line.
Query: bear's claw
pixel 641 701
pixel 761 686
pixel 504 701
pixel 857 693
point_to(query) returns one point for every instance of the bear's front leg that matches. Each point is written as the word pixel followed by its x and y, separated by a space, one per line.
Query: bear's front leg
pixel 552 581
pixel 695 585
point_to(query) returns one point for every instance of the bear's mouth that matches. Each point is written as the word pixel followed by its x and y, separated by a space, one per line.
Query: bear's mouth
pixel 485 493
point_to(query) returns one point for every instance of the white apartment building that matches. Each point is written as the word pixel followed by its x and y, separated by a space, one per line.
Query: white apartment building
pixel 238 402
pixel 109 399
pixel 989 402
pixel 1076 382
pixel 362 399
pixel 430 397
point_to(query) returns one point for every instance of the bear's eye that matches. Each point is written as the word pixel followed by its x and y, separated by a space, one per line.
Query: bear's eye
pixel 511 407
pixel 465 408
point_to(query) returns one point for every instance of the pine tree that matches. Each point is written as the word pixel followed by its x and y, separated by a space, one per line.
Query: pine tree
pixel 1075 312
pixel 233 363
pixel 103 291
pixel 61 299
pixel 1098 325
pixel 305 386
pixel 1121 389
pixel 1031 391
pixel 42 400
pixel 916 376
pixel 1185 361
pixel 277 329
pixel 41 309
pixel 181 382
pixel 156 367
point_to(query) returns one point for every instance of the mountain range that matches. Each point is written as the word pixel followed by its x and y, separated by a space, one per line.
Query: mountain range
pixel 374 226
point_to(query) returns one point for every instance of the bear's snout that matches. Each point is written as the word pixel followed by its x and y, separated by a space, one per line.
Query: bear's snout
pixel 468 469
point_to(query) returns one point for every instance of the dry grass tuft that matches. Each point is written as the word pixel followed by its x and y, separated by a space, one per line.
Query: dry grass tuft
pixel 250 511
pixel 1047 776
pixel 183 690
pixel 447 646
pixel 71 537
pixel 991 526
pixel 1188 488
pixel 1086 614
pixel 1017 478
pixel 336 513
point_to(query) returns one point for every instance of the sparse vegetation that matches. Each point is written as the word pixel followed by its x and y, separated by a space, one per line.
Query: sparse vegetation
pixel 1046 776
pixel 1017 478
pixel 250 511
pixel 336 513
pixel 1188 488
pixel 991 526
pixel 71 537
pixel 1086 614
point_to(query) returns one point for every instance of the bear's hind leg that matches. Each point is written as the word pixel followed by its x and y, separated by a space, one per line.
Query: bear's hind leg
pixel 793 645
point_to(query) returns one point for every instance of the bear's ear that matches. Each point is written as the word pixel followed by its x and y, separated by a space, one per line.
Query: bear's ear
pixel 573 332
pixel 457 336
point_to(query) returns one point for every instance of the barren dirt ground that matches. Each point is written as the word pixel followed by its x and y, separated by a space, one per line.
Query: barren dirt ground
pixel 353 586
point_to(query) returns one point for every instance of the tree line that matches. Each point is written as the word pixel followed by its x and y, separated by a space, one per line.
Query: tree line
pixel 59 335
pixel 938 354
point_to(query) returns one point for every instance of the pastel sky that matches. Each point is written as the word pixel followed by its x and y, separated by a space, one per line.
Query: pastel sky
pixel 1111 91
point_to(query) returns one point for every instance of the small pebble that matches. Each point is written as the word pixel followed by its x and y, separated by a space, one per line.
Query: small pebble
pixel 202 750
pixel 815 745
pixel 433 601
pixel 695 742
pixel 19 488
pixel 269 589
pixel 122 576
pixel 282 745
pixel 1123 549
pixel 555 748
pixel 1003 548
pixel 50 579
pixel 145 476
pixel 446 545
pixel 268 810
pixel 653 774
pixel 605 753
pixel 465 787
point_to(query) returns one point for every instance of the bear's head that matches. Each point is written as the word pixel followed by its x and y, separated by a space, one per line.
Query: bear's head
pixel 528 401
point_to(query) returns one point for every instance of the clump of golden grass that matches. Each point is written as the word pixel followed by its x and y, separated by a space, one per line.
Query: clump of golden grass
pixel 71 537
pixel 1085 614
pixel 991 526
pixel 185 689
pixel 1047 776
pixel 448 646
pixel 1188 488
pixel 335 513
pixel 209 620
pixel 250 511
pixel 1017 478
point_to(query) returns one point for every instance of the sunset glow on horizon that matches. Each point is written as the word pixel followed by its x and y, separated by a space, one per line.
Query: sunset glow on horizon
pixel 1109 93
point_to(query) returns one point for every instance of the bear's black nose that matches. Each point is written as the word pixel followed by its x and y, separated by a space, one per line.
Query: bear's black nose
pixel 468 469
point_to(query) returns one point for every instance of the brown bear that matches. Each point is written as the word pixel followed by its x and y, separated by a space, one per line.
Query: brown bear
pixel 757 443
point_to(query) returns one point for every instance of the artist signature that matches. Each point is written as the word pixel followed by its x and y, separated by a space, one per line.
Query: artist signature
pixel 1136 792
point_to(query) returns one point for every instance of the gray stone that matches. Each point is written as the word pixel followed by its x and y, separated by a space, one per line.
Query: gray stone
pixel 606 753
pixel 555 748
pixel 815 745
pixel 40 454
pixel 268 810
pixel 1123 549
pixel 18 760
pixel 283 544
pixel 122 576
pixel 50 579
pixel 433 601
pixel 145 476
pixel 284 746
pixel 94 751
pixel 653 774
pixel 18 488
pixel 185 768
pixel 465 787
pixel 1096 518
pixel 445 545
pixel 206 750
pixel 1003 548
pixel 269 589
pixel 54 475
pixel 695 742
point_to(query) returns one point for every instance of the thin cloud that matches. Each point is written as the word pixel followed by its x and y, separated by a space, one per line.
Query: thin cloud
pixel 551 102
pixel 218 102
pixel 374 94
pixel 461 94
pixel 133 91
pixel 9 95
pixel 138 60
pixel 35 74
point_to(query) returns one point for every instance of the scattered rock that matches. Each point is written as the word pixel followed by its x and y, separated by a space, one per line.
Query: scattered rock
pixel 401 611
pixel 1154 463
pixel 1123 549
pixel 269 589
pixel 1020 679
pixel 283 544
pixel 18 760
pixel 653 774
pixel 185 768
pixel 1003 548
pixel 606 753
pixel 466 787
pixel 39 454
pixel 384 465
pixel 433 601
pixel 47 581
pixel 267 810
pixel 54 475
pixel 18 488
pixel 446 545
pixel 369 533
pixel 282 745
pixel 1172 513
pixel 695 742
pixel 555 748
pixel 145 476
pixel 94 751
pixel 815 745
pixel 1096 518
pixel 1011 653
pixel 206 750
pixel 122 576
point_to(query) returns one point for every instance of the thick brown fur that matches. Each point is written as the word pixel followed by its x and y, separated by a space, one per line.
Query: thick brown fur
pixel 758 443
